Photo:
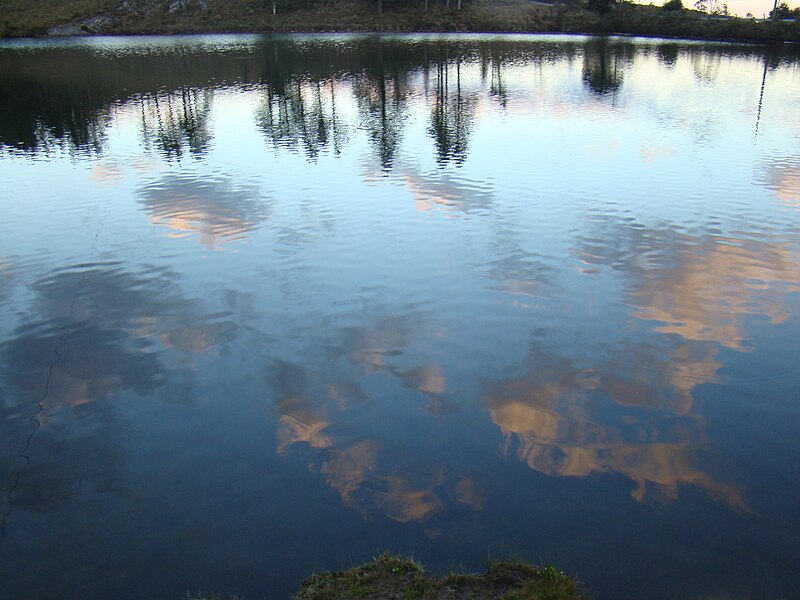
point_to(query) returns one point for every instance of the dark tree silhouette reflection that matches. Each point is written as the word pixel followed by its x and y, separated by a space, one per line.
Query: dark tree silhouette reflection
pixel 382 92
pixel 668 54
pixel 302 114
pixel 176 121
pixel 602 67
pixel 492 71
pixel 452 112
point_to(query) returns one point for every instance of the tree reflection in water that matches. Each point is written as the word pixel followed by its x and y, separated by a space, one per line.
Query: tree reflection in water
pixel 177 120
pixel 303 85
pixel 451 113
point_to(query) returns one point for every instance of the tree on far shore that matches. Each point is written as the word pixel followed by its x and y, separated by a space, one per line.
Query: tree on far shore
pixel 782 11
pixel 601 7
pixel 712 7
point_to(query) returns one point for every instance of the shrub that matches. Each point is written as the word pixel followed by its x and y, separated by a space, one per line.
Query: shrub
pixel 673 5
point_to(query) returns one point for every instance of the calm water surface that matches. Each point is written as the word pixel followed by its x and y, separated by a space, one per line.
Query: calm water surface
pixel 273 304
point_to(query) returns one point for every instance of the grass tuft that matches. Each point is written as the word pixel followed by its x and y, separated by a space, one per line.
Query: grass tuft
pixel 389 576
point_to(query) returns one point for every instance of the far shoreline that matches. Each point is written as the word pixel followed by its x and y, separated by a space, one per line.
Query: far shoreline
pixel 92 18
pixel 334 32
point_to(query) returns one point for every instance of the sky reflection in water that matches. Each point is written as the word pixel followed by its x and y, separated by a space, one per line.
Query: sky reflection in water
pixel 270 304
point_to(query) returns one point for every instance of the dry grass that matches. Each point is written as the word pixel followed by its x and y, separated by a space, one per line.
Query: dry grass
pixel 35 17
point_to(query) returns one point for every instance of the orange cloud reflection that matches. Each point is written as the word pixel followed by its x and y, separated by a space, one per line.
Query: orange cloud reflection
pixel 704 294
pixel 215 210
pixel 553 416
pixel 354 473
pixel 783 178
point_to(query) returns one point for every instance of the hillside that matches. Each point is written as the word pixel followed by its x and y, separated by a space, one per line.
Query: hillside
pixel 80 17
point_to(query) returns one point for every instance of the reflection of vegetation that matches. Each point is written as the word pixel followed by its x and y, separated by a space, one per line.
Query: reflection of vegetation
pixel 302 115
pixel 382 95
pixel 68 95
pixel 668 53
pixel 38 115
pixel 299 108
pixel 706 68
pixel 451 114
pixel 177 120
pixel 492 70
pixel 601 69
pixel 390 576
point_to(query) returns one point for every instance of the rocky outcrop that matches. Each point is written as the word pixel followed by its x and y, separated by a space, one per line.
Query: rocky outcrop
pixel 99 24
pixel 91 25
pixel 148 7
pixel 181 5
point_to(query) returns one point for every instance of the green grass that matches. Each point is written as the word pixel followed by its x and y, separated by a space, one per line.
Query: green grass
pixel 35 17
pixel 389 576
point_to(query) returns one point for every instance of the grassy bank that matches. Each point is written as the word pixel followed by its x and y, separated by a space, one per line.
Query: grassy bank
pixel 390 576
pixel 72 17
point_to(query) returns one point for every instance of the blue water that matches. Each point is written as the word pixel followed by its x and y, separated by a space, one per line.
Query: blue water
pixel 270 305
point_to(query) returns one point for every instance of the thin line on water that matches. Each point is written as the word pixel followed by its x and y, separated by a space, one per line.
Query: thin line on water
pixel 761 97
pixel 63 339
pixel 23 454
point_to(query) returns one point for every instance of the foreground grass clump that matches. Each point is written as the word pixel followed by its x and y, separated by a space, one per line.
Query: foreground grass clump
pixel 388 577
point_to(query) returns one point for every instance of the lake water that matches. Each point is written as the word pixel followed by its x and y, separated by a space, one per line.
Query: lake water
pixel 276 304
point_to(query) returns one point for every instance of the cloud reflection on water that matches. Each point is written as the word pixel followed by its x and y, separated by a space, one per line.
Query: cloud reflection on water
pixel 317 405
pixel 546 331
pixel 558 415
pixel 626 406
pixel 217 210
pixel 115 342
pixel 782 176
pixel 700 287
pixel 117 317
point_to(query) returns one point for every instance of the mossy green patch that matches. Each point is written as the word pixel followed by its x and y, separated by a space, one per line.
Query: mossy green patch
pixel 393 577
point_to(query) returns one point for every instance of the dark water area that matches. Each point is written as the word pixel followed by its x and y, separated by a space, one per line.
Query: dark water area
pixel 276 304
